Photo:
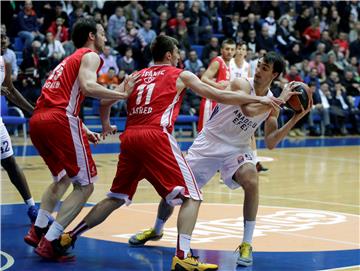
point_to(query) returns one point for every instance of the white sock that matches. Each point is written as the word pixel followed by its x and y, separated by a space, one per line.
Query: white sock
pixel 54 231
pixel 30 202
pixel 42 218
pixel 159 226
pixel 249 228
pixel 183 246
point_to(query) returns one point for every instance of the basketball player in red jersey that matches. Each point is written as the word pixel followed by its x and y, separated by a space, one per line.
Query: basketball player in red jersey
pixel 218 76
pixel 148 150
pixel 63 141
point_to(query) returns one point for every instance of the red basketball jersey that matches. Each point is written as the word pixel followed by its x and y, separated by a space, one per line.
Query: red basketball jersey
pixel 223 73
pixel 155 100
pixel 62 88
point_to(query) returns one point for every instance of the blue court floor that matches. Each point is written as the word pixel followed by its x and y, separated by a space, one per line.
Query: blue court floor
pixel 101 255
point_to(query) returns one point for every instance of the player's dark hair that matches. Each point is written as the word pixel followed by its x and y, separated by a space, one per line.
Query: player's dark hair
pixel 276 60
pixel 228 41
pixel 81 30
pixel 161 45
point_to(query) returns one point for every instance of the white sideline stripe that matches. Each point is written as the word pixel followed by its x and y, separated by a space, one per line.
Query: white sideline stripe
pixel 342 268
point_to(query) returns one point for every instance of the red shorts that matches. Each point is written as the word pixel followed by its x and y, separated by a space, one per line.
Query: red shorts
pixel 153 154
pixel 63 145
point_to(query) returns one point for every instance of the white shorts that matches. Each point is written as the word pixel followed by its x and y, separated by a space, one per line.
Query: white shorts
pixel 6 147
pixel 206 157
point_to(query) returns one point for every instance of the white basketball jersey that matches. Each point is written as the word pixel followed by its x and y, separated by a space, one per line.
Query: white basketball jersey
pixel 2 69
pixel 2 76
pixel 228 123
pixel 236 72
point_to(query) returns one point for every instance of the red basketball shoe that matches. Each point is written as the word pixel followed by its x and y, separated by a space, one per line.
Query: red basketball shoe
pixel 53 251
pixel 34 235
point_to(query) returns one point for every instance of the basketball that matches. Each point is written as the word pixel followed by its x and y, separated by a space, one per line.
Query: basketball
pixel 296 101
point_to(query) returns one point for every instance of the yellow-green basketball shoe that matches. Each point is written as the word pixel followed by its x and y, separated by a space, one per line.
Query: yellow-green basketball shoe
pixel 141 238
pixel 191 263
pixel 245 255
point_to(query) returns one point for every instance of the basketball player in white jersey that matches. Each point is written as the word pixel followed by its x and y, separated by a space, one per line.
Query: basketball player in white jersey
pixel 224 145
pixel 239 67
pixel 8 161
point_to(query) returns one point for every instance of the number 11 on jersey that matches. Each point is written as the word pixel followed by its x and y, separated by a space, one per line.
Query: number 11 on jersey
pixel 149 90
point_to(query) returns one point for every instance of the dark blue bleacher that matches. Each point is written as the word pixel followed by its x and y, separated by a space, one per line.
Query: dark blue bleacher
pixel 13 116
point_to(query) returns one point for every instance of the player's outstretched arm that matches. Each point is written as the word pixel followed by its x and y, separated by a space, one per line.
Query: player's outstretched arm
pixel 190 80
pixel 273 135
pixel 88 80
pixel 13 94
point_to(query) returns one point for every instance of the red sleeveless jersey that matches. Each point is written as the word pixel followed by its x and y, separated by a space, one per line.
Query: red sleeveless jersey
pixel 62 88
pixel 223 73
pixel 155 100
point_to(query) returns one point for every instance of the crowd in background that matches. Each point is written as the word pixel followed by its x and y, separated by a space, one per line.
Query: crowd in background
pixel 319 39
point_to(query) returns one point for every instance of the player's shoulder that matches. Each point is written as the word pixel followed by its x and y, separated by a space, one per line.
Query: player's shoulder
pixel 241 83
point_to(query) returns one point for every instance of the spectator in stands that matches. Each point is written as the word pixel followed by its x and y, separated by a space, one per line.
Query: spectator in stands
pixel 213 45
pixel 321 106
pixel 109 79
pixel 193 64
pixel 162 24
pixel 59 12
pixel 182 36
pixel 312 35
pixel 326 39
pixel 320 49
pixel 29 25
pixel 198 24
pixel 331 65
pixel 350 84
pixel 334 23
pixel 294 56
pixel 59 31
pixel 251 40
pixel 116 22
pixel 127 63
pixel 284 37
pixel 76 14
pixel 214 15
pixel 332 80
pixel 147 33
pixel 135 12
pixel 10 57
pixel 264 41
pixel 302 21
pixel 251 24
pixel 319 66
pixel 271 23
pixel 54 49
pixel 313 78
pixel 129 37
pixel 343 43
pixel 232 26
pixel 293 74
pixel 176 23
pixel 109 60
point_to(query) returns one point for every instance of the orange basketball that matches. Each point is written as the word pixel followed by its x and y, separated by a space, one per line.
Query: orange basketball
pixel 296 101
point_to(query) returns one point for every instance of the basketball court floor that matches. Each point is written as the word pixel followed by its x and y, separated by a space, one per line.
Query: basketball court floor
pixel 308 217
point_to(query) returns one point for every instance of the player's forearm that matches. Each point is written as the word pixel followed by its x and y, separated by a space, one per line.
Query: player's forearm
pixel 275 137
pixel 105 109
pixel 211 82
pixel 16 98
pixel 95 90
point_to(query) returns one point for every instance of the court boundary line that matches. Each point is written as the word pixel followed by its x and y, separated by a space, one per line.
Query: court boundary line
pixel 212 203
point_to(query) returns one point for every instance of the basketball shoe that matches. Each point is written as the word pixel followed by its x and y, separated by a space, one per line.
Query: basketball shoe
pixel 260 167
pixel 53 251
pixel 191 263
pixel 141 238
pixel 245 254
pixel 67 241
pixel 34 235
pixel 32 213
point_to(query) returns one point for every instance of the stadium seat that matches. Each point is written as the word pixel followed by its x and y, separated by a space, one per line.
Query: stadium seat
pixel 13 116
pixel 198 49
pixel 186 123
pixel 18 44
